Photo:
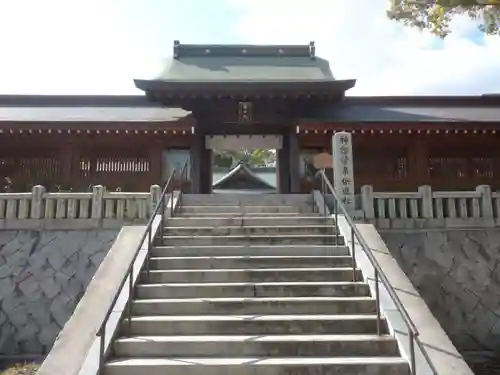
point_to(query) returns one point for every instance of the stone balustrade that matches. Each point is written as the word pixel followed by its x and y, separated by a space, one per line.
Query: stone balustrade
pixel 481 206
pixel 98 205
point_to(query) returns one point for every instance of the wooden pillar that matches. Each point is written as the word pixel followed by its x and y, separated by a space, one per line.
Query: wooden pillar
pixel 496 170
pixel 156 166
pixel 67 161
pixel 70 156
pixel 201 166
pixel 418 157
pixel 196 154
pixel 284 166
pixel 295 161
pixel 206 170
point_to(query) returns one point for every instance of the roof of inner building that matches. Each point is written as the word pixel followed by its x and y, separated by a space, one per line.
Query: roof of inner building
pixel 242 173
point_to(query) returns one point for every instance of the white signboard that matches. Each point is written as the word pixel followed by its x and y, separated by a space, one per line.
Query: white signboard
pixel 322 161
pixel 343 172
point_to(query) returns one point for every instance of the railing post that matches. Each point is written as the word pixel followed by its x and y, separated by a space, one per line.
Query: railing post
pixel 377 302
pixel 336 208
pixel 323 191
pixel 148 253
pixel 353 255
pixel 413 361
pixel 172 203
pixel 97 201
pixel 154 197
pixel 37 208
pixel 426 199
pixel 130 295
pixel 486 201
pixel 162 217
pixel 367 202
pixel 102 346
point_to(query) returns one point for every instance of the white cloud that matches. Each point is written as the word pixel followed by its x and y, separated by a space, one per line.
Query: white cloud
pixel 99 46
pixel 386 57
pixel 78 47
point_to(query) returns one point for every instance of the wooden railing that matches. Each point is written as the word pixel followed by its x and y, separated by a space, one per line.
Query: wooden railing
pixel 481 203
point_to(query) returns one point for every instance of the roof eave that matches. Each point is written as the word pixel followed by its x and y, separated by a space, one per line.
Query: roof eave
pixel 175 87
pixel 424 100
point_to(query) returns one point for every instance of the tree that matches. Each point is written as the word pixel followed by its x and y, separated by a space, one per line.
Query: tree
pixel 436 15
pixel 253 158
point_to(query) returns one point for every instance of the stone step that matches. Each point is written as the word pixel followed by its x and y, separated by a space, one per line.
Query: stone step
pixel 245 199
pixel 250 230
pixel 253 250
pixel 240 261
pixel 245 209
pixel 257 345
pixel 229 275
pixel 255 239
pixel 254 324
pixel 230 221
pixel 262 305
pixel 272 289
pixel 258 366
pixel 225 214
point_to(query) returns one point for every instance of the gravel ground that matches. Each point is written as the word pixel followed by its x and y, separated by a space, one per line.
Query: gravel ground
pixel 21 369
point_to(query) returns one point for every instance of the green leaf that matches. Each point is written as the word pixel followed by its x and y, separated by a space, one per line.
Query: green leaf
pixel 437 17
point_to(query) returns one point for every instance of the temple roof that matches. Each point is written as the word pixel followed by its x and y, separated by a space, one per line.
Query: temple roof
pixel 412 109
pixel 85 108
pixel 245 63
pixel 136 109
pixel 91 114
pixel 242 177
pixel 241 67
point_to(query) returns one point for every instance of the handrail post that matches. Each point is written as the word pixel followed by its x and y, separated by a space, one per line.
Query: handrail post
pixel 162 218
pixel 377 302
pixel 172 203
pixel 323 193
pixel 148 253
pixel 413 362
pixel 102 334
pixel 353 255
pixel 336 208
pixel 130 293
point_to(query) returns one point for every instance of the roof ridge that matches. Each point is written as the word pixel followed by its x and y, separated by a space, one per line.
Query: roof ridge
pixel 244 50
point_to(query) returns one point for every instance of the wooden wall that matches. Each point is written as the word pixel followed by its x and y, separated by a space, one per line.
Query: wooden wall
pixel 397 161
pixel 402 162
pixel 61 162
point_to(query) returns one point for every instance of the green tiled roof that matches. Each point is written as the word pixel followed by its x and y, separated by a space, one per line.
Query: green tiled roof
pixel 216 63
pixel 272 69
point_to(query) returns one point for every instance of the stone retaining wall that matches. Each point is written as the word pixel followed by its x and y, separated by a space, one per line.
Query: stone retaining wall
pixel 43 274
pixel 457 272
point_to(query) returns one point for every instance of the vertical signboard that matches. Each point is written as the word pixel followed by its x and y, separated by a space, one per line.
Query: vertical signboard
pixel 343 172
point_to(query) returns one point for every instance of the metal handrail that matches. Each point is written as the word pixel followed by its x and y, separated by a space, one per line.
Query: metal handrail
pixel 148 233
pixel 413 332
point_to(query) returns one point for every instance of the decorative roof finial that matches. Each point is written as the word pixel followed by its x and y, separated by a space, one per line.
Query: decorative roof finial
pixel 312 50
pixel 176 49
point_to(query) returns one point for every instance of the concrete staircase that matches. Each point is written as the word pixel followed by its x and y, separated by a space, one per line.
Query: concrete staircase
pixel 252 285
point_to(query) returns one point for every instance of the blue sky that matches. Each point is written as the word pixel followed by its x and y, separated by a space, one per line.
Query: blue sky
pixel 99 46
